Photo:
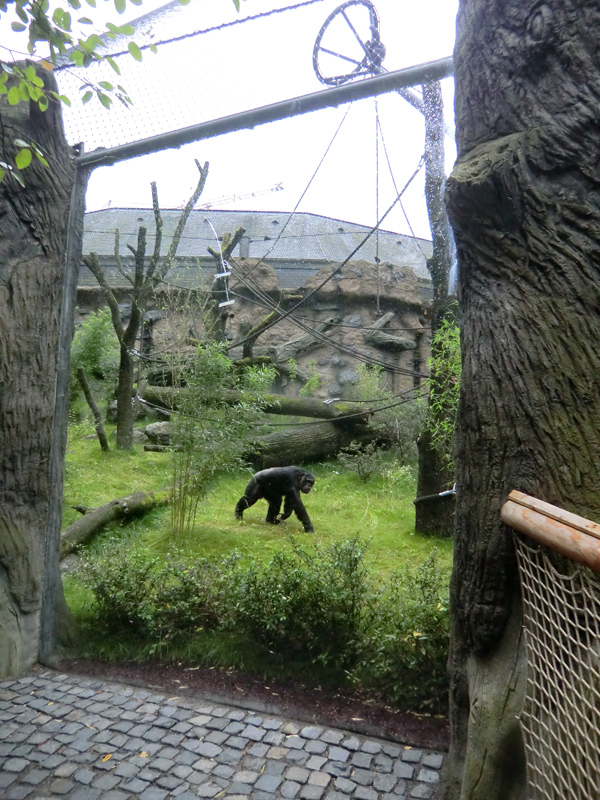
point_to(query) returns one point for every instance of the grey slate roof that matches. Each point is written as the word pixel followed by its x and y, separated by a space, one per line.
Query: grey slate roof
pixel 296 245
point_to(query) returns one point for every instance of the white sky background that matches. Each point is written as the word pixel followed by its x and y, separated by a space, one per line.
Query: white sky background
pixel 253 64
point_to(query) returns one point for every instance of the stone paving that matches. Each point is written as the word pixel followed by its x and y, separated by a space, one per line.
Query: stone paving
pixel 65 736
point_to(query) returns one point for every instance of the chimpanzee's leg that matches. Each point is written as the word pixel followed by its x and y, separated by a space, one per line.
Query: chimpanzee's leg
pixel 251 495
pixel 294 503
pixel 274 507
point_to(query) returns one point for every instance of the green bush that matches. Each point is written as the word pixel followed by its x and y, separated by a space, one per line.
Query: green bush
pixel 95 348
pixel 124 584
pixel 405 651
pixel 194 598
pixel 308 602
pixel 316 605
pixel 366 460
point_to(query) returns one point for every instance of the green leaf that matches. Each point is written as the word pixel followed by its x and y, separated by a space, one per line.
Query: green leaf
pixel 3 77
pixel 14 95
pixel 3 88
pixel 18 26
pixel 135 51
pixel 23 158
pixel 104 99
pixel 120 5
pixel 75 4
pixel 20 143
pixel 64 99
pixel 106 85
pixel 91 3
pixel 154 48
pixel 43 103
pixel 78 57
pixel 236 3
pixel 2 174
pixel 184 2
pixel 23 91
pixel 87 97
pixel 85 21
pixel 113 64
pixel 41 158
pixel 30 72
pixel 18 177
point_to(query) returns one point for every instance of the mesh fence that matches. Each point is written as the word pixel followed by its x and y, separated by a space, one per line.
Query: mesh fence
pixel 561 717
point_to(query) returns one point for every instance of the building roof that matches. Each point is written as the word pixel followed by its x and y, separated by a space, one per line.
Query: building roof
pixel 294 244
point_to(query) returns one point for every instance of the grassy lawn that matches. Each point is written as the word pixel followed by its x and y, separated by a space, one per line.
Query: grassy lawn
pixel 340 506
pixel 401 651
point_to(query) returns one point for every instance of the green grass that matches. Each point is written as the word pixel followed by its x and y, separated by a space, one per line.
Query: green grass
pixel 340 506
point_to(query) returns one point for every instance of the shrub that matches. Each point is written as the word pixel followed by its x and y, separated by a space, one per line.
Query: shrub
pixel 95 348
pixel 405 651
pixel 124 585
pixel 364 459
pixel 132 591
pixel 309 602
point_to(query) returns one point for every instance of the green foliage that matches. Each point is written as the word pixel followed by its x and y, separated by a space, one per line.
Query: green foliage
pixel 309 602
pixel 313 382
pixel 95 348
pixel 315 604
pixel 364 459
pixel 400 421
pixel 445 367
pixel 133 591
pixel 405 651
pixel 124 586
pixel 63 32
pixel 209 434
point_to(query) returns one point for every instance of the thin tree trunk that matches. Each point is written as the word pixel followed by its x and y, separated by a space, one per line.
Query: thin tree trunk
pixel 33 242
pixel 525 209
pixel 85 387
pixel 433 517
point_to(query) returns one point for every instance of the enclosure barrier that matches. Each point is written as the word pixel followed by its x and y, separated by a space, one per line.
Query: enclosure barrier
pixel 561 608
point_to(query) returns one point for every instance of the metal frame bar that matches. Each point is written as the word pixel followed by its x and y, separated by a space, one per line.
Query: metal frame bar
pixel 327 98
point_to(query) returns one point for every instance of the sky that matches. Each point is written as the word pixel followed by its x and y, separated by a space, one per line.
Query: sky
pixel 352 175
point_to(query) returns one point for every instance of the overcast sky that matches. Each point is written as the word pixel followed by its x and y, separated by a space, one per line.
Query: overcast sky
pixel 251 64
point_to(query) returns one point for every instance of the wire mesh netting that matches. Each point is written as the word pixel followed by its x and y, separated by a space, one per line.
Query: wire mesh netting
pixel 561 716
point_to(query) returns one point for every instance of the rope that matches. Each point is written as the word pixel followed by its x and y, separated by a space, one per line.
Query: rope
pixel 202 31
pixel 377 129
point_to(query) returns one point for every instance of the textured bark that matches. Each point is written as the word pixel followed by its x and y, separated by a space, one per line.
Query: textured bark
pixel 97 518
pixel 306 443
pixel 434 475
pixel 33 243
pixel 168 398
pixel 525 208
pixel 89 397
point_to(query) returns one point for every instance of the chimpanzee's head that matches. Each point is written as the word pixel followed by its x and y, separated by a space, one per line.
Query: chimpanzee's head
pixel 307 481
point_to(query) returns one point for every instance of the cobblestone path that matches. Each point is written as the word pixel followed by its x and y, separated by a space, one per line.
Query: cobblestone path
pixel 64 736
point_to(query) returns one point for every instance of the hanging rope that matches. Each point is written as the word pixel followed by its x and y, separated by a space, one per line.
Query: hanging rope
pixel 377 129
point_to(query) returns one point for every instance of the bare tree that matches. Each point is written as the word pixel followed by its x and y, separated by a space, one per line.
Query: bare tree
pixel 147 273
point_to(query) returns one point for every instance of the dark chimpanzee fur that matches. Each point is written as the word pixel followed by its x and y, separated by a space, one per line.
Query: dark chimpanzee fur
pixel 274 484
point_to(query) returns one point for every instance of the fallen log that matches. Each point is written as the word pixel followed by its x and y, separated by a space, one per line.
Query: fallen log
pixel 306 443
pixel 94 520
pixel 167 397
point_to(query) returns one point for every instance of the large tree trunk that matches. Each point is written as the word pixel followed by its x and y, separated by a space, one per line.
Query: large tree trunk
pixel 34 318
pixel 525 208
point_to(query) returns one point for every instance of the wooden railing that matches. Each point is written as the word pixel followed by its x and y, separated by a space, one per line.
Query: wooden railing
pixel 569 534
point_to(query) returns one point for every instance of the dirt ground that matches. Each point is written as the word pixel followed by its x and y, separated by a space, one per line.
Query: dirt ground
pixel 342 710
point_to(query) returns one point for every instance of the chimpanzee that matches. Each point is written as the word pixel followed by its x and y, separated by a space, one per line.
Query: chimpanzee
pixel 273 484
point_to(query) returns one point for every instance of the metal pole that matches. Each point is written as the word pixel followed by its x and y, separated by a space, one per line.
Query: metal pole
pixel 328 98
